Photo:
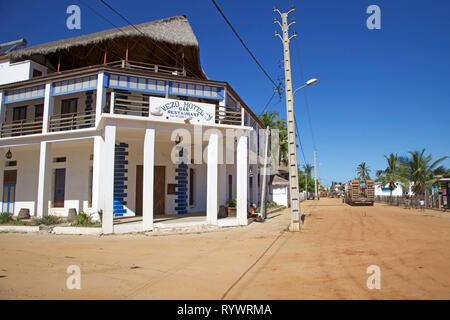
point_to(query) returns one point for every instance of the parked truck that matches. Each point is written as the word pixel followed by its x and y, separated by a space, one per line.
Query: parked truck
pixel 360 192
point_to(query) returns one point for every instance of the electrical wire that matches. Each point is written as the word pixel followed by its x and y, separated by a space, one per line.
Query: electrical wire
pixel 302 77
pixel 246 48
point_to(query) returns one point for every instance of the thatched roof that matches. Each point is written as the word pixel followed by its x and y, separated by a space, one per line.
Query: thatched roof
pixel 174 30
pixel 276 180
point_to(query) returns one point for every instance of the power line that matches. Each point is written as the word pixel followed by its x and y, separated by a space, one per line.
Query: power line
pixel 246 48
pixel 297 51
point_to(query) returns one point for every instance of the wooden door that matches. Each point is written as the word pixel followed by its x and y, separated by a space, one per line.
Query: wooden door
pixel 139 180
pixel 59 190
pixel 158 189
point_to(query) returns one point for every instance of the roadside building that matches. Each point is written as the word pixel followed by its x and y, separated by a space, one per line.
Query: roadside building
pixel 279 190
pixel 95 122
pixel 399 191
pixel 441 191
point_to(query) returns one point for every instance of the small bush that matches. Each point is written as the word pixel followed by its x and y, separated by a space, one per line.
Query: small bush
pixel 48 220
pixel 5 217
pixel 82 219
pixel 231 203
pixel 19 222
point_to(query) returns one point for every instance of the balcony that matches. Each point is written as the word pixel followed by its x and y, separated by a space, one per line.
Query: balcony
pixel 137 104
pixel 72 121
pixel 141 66
pixel 20 128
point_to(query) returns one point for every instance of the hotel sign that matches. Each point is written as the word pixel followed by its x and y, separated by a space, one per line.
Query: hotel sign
pixel 171 109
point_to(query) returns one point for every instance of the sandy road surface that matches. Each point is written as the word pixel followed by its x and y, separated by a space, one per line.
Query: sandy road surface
pixel 326 261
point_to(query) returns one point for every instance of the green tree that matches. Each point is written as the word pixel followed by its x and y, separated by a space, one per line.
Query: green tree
pixel 270 119
pixel 363 171
pixel 392 175
pixel 421 170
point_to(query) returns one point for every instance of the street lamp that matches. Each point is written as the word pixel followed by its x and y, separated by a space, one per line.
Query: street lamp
pixel 308 83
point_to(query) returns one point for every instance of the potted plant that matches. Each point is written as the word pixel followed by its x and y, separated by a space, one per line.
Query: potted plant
pixel 231 207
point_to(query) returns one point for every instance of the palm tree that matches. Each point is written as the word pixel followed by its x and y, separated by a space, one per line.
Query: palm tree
pixel 363 171
pixel 270 119
pixel 392 175
pixel 420 170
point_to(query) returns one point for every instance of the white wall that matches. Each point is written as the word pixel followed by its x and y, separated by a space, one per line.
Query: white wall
pixel 279 194
pixel 27 178
pixel 398 191
pixel 18 71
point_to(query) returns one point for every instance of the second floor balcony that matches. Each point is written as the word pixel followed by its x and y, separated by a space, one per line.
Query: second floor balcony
pixel 72 101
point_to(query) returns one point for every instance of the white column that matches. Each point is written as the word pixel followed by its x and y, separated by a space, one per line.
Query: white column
pixel 148 179
pixel 242 179
pixel 48 107
pixel 108 178
pixel 44 182
pixel 2 107
pixel 97 165
pixel 100 99
pixel 223 179
pixel 212 180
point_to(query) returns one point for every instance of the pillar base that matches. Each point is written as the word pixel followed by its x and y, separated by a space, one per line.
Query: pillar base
pixel 295 226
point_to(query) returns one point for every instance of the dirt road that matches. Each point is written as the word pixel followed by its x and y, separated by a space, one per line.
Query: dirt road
pixel 328 260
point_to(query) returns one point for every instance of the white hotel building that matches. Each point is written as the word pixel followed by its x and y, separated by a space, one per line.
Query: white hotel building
pixel 87 124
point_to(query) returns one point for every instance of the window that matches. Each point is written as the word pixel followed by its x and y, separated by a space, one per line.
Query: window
pixel 91 176
pixel 37 73
pixel 38 111
pixel 230 187
pixel 59 159
pixel 59 190
pixel 191 186
pixel 69 106
pixel 19 113
pixel 11 163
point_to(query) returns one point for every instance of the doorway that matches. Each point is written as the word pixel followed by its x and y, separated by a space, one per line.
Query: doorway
pixel 59 191
pixel 159 193
pixel 9 190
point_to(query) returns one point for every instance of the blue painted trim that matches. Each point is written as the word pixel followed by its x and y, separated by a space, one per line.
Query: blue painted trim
pixel 146 81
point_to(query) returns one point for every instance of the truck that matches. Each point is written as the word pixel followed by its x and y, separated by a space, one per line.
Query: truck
pixel 360 192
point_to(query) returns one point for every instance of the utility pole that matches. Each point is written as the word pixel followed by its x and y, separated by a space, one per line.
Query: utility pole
pixel 315 176
pixel 306 183
pixel 264 182
pixel 318 179
pixel 296 224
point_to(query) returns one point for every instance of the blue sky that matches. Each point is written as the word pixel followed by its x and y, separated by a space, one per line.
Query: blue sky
pixel 379 91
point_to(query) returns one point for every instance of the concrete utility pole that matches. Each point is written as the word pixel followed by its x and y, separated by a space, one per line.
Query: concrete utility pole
pixel 264 182
pixel 296 224
pixel 306 183
pixel 318 180
pixel 315 176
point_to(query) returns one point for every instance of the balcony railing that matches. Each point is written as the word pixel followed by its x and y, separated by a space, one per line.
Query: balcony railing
pixel 137 104
pixel 131 103
pixel 228 115
pixel 20 128
pixel 142 66
pixel 72 121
